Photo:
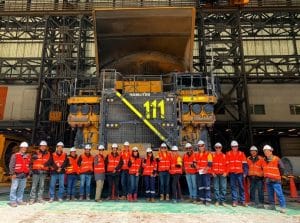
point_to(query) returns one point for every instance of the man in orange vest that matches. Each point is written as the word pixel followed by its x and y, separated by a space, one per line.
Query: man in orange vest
pixel 99 172
pixel 39 172
pixel 256 176
pixel 237 170
pixel 19 172
pixel 57 164
pixel 86 171
pixel 176 172
pixel 219 172
pixel 125 181
pixel 72 171
pixel 273 170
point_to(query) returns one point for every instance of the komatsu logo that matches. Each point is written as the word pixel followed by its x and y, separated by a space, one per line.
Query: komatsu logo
pixel 139 94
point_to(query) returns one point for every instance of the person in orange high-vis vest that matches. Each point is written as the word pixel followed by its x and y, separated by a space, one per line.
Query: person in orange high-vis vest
pixel 219 172
pixel 189 166
pixel 176 172
pixel 113 165
pixel 256 177
pixel 124 174
pixel 273 170
pixel 39 173
pixel 99 172
pixel 57 164
pixel 203 164
pixel 72 171
pixel 149 172
pixel 237 170
pixel 135 167
pixel 19 172
pixel 86 171
pixel 164 163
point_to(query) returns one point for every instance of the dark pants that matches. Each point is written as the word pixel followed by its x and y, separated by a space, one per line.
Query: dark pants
pixel 134 183
pixel 175 184
pixel 150 186
pixel 113 180
pixel 125 182
pixel 236 181
pixel 164 180
pixel 220 185
pixel 72 180
pixel 256 184
pixel 203 184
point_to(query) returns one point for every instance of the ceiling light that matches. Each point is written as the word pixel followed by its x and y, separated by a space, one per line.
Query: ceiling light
pixel 270 130
pixel 291 130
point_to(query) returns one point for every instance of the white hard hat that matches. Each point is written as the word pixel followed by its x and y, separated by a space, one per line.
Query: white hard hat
pixel 163 145
pixel 43 143
pixel 174 148
pixel 126 143
pixel 253 148
pixel 114 145
pixel 201 142
pixel 135 149
pixel 218 144
pixel 87 146
pixel 188 145
pixel 148 150
pixel 73 149
pixel 234 143
pixel 267 147
pixel 101 147
pixel 60 144
pixel 24 144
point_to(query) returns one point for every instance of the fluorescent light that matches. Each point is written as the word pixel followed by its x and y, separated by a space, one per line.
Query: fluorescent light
pixel 280 133
pixel 270 130
pixel 260 132
pixel 291 130
pixel 9 129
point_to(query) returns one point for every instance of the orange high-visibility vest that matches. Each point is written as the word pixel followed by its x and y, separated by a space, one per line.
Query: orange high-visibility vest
pixel 135 165
pixel 202 160
pixel 22 163
pixel 38 164
pixel 271 169
pixel 175 159
pixel 256 167
pixel 164 161
pixel 73 166
pixel 188 161
pixel 99 167
pixel 86 164
pixel 113 162
pixel 125 157
pixel 235 161
pixel 219 163
pixel 148 167
pixel 59 159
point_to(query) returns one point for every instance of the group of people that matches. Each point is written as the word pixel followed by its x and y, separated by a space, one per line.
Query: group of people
pixel 126 167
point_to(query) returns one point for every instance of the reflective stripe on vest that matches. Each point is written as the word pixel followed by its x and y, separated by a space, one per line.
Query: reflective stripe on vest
pixel 175 159
pixel 125 157
pixel 86 163
pixel 58 160
pixel 164 161
pixel 135 165
pixel 22 163
pixel 73 166
pixel 219 163
pixel 39 163
pixel 148 167
pixel 235 161
pixel 271 169
pixel 113 162
pixel 188 161
pixel 202 160
pixel 99 167
pixel 255 167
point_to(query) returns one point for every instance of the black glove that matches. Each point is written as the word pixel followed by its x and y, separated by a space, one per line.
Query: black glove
pixel 178 166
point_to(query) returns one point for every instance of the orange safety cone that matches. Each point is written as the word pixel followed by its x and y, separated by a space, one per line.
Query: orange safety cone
pixel 246 188
pixel 293 188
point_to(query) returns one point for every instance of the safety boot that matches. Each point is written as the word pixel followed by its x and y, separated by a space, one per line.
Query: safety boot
pixel 161 197
pixel 167 197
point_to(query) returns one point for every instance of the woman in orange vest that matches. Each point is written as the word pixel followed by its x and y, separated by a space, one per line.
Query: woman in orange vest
pixel 19 171
pixel 113 165
pixel 124 174
pixel 86 171
pixel 256 176
pixel 273 170
pixel 72 170
pixel 135 167
pixel 39 172
pixel 164 162
pixel 176 172
pixel 99 172
pixel 149 172
pixel 57 164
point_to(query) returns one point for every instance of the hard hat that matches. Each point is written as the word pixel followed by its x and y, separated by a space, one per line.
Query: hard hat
pixel 87 146
pixel 163 145
pixel 43 143
pixel 218 144
pixel 135 149
pixel 253 148
pixel 101 147
pixel 188 145
pixel 60 144
pixel 24 144
pixel 201 142
pixel 174 148
pixel 234 143
pixel 148 150
pixel 126 143
pixel 114 145
pixel 73 149
pixel 267 147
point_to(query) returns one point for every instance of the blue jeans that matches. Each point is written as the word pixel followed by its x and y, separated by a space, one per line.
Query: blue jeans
pixel 72 180
pixel 85 180
pixel 203 184
pixel 192 185
pixel 275 187
pixel 164 180
pixel 125 182
pixel 220 185
pixel 256 183
pixel 17 190
pixel 150 186
pixel 134 183
pixel 236 180
pixel 61 188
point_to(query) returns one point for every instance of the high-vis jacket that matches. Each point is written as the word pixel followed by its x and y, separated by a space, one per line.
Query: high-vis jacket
pixel 164 161
pixel 204 161
pixel 219 163
pixel 271 169
pixel 176 164
pixel 39 161
pixel 22 163
pixel 255 165
pixel 188 161
pixel 86 164
pixel 236 162
pixel 149 168
pixel 72 167
pixel 99 166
